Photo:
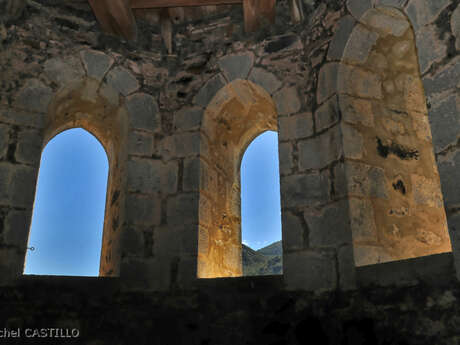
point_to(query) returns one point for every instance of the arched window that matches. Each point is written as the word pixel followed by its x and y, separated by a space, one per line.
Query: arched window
pixel 261 207
pixel 68 214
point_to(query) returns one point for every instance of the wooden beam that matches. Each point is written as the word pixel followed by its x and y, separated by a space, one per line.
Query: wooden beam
pixel 115 17
pixel 258 13
pixel 180 3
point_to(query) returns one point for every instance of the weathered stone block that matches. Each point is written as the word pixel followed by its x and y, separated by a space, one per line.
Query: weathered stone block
pixel 359 82
pixel 265 79
pixel 449 173
pixel 347 271
pixel 368 255
pixel 16 232
pixel 144 112
pixel 183 209
pixel 353 142
pixel 365 181
pixel 187 144
pixel 64 71
pixel 356 111
pixel 133 242
pixel 96 63
pixel 295 126
pixel 422 12
pixel 329 227
pixel 34 96
pixel 17 185
pixel 426 191
pixel 122 80
pixel 358 7
pixel 151 176
pixel 445 79
pixel 363 226
pixel 21 118
pixel 455 26
pixel 236 66
pixel 4 140
pixel 285 158
pixel 29 147
pixel 209 90
pixel 304 190
pixel 188 118
pixel 287 101
pixel 140 143
pixel 192 174
pixel 384 23
pixel 430 49
pixel 341 37
pixel 327 114
pixel 311 271
pixel 293 232
pixel 390 3
pixel 143 209
pixel 327 82
pixel 110 94
pixel 318 152
pixel 445 122
pixel 359 45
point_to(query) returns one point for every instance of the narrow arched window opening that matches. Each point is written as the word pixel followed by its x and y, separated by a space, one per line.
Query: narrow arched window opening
pixel 69 207
pixel 261 207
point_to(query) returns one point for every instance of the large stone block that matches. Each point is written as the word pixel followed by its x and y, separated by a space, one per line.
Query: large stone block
pixel 295 126
pixel 187 144
pixel 287 101
pixel 423 12
pixel 193 168
pixel 455 26
pixel 152 176
pixel 293 232
pixel 362 219
pixel 359 45
pixel 444 117
pixel 286 158
pixel 430 49
pixel 17 224
pixel 353 142
pixel 22 186
pixel 445 79
pixel 265 79
pixel 327 82
pixel 304 190
pixel 363 180
pixel 143 209
pixel 183 209
pixel 188 118
pixel 236 66
pixel 121 80
pixel 356 111
pixel 341 37
pixel 347 271
pixel 358 7
pixel 140 143
pixel 34 96
pixel 320 151
pixel 21 118
pixel 449 173
pixel 4 140
pixel 327 114
pixel 359 82
pixel 209 90
pixel 64 71
pixel 310 271
pixel 144 112
pixel 330 226
pixel 96 63
pixel 384 23
pixel 29 146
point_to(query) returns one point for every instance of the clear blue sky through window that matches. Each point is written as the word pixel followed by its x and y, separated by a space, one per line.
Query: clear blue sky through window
pixel 68 215
pixel 260 192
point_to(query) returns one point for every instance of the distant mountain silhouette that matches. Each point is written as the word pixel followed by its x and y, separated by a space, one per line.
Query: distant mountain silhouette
pixel 265 261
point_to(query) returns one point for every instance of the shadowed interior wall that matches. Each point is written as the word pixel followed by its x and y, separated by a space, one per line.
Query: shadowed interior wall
pixel 396 204
pixel 236 115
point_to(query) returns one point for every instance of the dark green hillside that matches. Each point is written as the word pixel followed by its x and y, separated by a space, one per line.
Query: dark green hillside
pixel 265 261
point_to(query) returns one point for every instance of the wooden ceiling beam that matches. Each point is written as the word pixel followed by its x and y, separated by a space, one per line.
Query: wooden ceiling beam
pixel 135 4
pixel 115 17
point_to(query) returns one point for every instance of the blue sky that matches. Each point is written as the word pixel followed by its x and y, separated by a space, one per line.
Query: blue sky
pixel 68 214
